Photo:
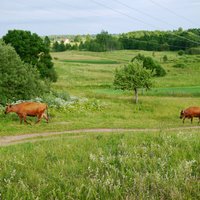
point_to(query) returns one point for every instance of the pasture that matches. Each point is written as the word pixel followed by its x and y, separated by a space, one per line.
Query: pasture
pixel 158 165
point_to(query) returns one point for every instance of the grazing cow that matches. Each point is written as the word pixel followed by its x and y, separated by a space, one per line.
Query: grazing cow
pixel 29 109
pixel 190 113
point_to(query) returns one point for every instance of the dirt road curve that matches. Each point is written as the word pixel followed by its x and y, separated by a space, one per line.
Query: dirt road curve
pixel 9 140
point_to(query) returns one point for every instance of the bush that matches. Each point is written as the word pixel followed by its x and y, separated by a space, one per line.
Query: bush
pixel 73 104
pixel 155 67
pixel 165 58
pixel 151 64
pixel 181 52
pixel 17 79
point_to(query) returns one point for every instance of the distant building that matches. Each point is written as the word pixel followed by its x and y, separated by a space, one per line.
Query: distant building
pixel 65 40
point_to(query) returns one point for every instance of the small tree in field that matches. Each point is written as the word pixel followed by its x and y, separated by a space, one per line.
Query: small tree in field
pixel 132 77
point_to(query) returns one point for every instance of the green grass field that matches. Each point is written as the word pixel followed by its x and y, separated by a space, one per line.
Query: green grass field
pixel 103 166
pixel 162 165
pixel 159 107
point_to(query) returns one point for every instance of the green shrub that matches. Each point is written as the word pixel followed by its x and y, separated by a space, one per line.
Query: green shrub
pixel 165 58
pixel 155 67
pixel 151 64
pixel 181 52
pixel 17 79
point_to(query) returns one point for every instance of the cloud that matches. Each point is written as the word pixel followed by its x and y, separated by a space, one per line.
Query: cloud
pixel 77 16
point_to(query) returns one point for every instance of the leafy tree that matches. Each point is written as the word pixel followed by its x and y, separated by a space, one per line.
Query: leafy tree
pixel 68 46
pixel 62 46
pixel 33 50
pixel 18 80
pixel 55 46
pixel 77 38
pixel 151 64
pixel 132 77
pixel 102 42
pixel 47 41
pixel 107 41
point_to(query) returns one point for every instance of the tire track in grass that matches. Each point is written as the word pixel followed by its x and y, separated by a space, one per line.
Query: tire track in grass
pixel 34 137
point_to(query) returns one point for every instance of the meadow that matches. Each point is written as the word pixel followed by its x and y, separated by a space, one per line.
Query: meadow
pixel 89 75
pixel 154 165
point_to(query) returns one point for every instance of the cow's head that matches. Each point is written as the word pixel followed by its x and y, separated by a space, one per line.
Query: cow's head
pixel 8 108
pixel 181 114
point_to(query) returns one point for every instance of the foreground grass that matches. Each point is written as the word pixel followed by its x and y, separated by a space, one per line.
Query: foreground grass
pixel 103 166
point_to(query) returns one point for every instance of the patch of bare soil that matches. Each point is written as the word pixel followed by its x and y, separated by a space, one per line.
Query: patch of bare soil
pixel 10 140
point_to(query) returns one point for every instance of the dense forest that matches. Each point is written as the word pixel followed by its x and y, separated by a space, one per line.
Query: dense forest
pixel 186 40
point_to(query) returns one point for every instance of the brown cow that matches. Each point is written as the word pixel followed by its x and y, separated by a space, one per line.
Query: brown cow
pixel 29 109
pixel 190 113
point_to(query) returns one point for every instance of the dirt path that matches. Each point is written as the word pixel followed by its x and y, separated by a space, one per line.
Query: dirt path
pixel 9 140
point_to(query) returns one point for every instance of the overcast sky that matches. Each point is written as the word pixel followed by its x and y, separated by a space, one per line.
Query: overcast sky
pixel 48 17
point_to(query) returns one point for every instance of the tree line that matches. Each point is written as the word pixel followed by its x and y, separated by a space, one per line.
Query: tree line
pixel 186 40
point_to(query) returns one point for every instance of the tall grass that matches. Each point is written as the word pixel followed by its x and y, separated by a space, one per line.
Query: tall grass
pixel 103 166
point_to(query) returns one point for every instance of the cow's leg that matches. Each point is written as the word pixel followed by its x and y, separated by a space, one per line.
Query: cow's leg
pixel 39 118
pixel 199 120
pixel 20 118
pixel 45 116
pixel 25 121
pixel 191 120
pixel 183 120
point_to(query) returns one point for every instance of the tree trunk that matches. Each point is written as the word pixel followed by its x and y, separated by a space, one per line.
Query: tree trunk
pixel 136 95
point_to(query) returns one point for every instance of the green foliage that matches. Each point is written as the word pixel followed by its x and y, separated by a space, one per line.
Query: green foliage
pixel 132 77
pixel 151 64
pixel 160 40
pixel 18 80
pixel 103 42
pixel 47 41
pixel 139 57
pixel 142 40
pixel 33 50
pixel 77 38
pixel 181 52
pixel 165 58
